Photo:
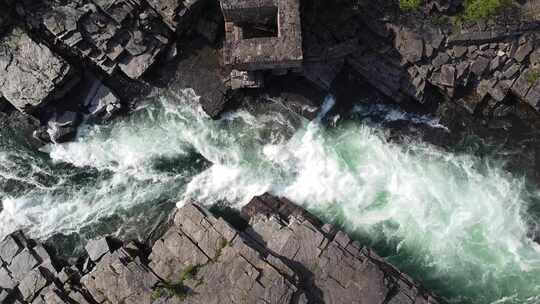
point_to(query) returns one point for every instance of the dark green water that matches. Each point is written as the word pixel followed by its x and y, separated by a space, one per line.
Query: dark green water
pixel 456 222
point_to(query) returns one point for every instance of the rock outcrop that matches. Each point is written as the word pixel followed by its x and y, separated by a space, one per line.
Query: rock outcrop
pixel 285 255
pixel 31 74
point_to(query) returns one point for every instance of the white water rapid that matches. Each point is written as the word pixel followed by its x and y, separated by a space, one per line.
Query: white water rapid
pixel 457 223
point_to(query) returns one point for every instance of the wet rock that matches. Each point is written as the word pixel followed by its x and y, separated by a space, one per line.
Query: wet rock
pixel 62 126
pixel 22 263
pixel 101 101
pixel 32 284
pixel 200 70
pixel 285 256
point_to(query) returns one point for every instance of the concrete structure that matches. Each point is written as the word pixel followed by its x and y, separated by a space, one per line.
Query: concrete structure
pixel 262 35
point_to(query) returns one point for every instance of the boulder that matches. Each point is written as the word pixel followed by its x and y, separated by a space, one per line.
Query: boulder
pixel 32 75
pixel 97 248
pixel 410 45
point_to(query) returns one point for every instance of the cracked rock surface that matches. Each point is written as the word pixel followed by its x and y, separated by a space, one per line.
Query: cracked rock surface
pixel 285 255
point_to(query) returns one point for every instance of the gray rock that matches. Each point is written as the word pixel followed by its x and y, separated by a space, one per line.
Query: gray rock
pixel 480 66
pixel 533 96
pixel 118 278
pixel 448 75
pixel 410 45
pixel 286 256
pixel 442 58
pixel 32 75
pixel 22 263
pixel 33 282
pixel 9 248
pixel 97 248
pixel 246 79
pixel 523 51
pixel 459 51
pixel 511 71
pixel 6 281
pixel 101 101
pixel 521 86
pixel 124 34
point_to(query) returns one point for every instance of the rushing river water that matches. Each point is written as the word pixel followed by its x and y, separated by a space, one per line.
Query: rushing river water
pixel 457 223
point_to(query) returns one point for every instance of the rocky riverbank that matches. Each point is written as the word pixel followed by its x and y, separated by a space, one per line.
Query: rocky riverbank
pixel 66 62
pixel 96 58
pixel 277 253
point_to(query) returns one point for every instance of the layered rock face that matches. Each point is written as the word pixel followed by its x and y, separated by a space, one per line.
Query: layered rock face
pixel 284 255
pixel 479 77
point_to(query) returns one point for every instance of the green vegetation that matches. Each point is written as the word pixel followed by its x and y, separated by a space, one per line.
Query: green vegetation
pixel 532 76
pixel 178 290
pixel 189 272
pixel 409 5
pixel 484 9
pixel 169 290
pixel 222 244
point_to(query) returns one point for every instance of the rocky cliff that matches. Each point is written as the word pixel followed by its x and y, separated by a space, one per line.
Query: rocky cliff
pixel 284 255
pixel 479 76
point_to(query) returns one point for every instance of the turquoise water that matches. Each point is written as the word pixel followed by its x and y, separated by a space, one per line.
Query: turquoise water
pixel 456 222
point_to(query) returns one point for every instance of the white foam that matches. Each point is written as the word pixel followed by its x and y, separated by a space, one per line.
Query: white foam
pixel 457 219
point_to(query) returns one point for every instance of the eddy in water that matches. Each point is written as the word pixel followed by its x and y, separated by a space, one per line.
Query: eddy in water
pixel 457 223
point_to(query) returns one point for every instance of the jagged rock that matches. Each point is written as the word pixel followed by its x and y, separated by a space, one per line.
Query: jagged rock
pixel 286 256
pixel 334 268
pixel 410 45
pixel 200 71
pixel 459 51
pixel 101 101
pixel 9 248
pixel 32 284
pixel 479 66
pixel 32 75
pixel 97 248
pixel 246 79
pixel 123 34
pixel 6 281
pixel 62 126
pixel 118 278
pixel 521 86
pixel 533 96
pixel 524 50
pixel 448 75
pixel 442 58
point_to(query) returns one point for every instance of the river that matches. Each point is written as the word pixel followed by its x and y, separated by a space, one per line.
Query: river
pixel 458 223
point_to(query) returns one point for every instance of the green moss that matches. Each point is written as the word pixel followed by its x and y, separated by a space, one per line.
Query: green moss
pixel 532 76
pixel 409 5
pixel 169 290
pixel 484 9
pixel 222 244
pixel 189 272
pixel 178 290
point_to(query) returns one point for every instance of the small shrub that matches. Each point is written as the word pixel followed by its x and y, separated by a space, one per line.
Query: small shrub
pixel 409 5
pixel 484 9
pixel 189 272
pixel 169 290
pixel 178 290
pixel 532 76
